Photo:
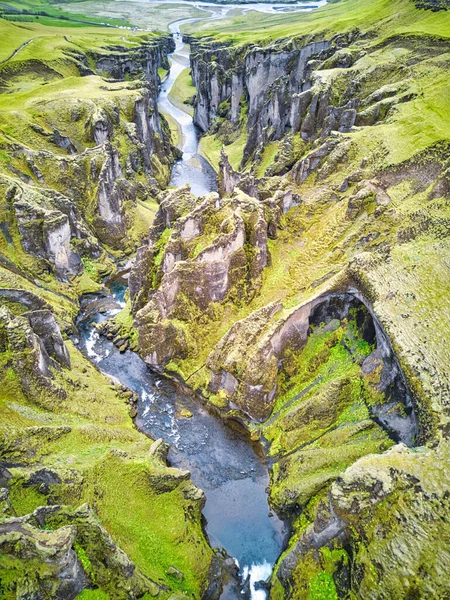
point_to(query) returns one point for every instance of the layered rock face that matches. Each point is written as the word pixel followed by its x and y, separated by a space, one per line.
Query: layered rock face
pixel 119 62
pixel 51 228
pixel 296 91
pixel 279 86
pixel 254 386
pixel 33 344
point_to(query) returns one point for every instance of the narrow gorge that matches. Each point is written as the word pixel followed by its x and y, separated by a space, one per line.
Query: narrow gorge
pixel 224 283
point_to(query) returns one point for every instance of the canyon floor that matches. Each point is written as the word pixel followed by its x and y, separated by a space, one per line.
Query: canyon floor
pixel 224 300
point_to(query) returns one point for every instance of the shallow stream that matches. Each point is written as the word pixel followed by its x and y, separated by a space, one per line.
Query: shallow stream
pixel 222 463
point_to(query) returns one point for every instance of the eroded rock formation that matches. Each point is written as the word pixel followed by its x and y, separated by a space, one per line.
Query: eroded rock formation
pixel 211 249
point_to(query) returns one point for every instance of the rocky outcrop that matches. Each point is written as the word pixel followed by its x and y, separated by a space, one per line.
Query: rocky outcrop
pixel 194 265
pixel 386 513
pixel 22 300
pixel 44 325
pixel 251 384
pixel 111 221
pixel 51 552
pixel 323 161
pixel 172 206
pixel 277 195
pixel 32 345
pixel 72 551
pixel 141 62
pixel 52 228
pixel 434 5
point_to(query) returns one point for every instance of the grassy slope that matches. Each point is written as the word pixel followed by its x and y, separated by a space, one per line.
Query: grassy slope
pixel 210 146
pixel 54 12
pixel 42 86
pixel 390 18
pixel 49 42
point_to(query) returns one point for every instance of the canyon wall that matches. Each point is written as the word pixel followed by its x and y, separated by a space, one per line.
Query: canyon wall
pixel 319 352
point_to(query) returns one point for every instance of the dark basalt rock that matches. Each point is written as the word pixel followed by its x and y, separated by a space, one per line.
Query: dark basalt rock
pixel 61 574
pixel 434 5
pixel 27 300
pixel 142 62
pixel 43 476
pixel 33 353
pixel 45 326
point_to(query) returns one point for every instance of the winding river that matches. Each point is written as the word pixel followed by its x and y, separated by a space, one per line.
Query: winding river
pixel 227 468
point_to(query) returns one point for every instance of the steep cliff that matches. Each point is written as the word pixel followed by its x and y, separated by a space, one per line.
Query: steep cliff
pixel 201 253
pixel 274 86
pixel 308 300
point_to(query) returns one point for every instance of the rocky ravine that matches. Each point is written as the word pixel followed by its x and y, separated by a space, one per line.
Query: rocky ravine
pixel 303 301
pixel 79 164
pixel 306 300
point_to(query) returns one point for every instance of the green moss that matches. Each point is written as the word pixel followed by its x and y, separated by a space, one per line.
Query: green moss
pixel 182 90
pixel 327 354
pixel 86 285
pixel 270 151
pixel 84 560
pixel 322 587
pixel 322 405
pixel 175 130
pixel 93 595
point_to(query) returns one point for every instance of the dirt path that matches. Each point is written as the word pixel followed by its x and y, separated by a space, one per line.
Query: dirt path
pixel 16 51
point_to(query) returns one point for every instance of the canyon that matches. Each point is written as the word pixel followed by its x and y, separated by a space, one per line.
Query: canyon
pixel 224 261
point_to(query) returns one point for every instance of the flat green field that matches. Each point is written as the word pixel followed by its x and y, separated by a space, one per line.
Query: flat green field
pixel 53 14
pixel 144 15
pixel 49 42
pixel 390 18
